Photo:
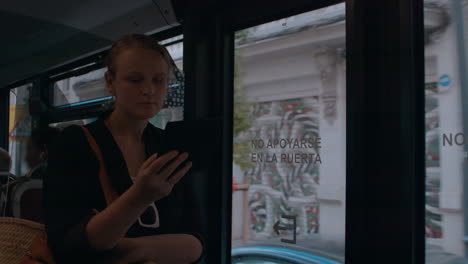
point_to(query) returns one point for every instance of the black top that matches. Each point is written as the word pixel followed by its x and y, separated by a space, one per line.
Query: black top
pixel 72 190
pixel 38 171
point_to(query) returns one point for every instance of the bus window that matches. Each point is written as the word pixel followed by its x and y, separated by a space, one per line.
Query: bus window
pixel 80 88
pixel 173 109
pixel 289 167
pixel 64 124
pixel 175 47
pixel 446 92
pixel 21 195
pixel 90 87
pixel 19 128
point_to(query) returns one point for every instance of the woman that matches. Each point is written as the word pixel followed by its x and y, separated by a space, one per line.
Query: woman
pixel 37 151
pixel 5 165
pixel 154 217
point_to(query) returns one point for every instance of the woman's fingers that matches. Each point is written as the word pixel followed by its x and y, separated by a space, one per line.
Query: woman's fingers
pixel 180 173
pixel 168 170
pixel 159 163
pixel 149 160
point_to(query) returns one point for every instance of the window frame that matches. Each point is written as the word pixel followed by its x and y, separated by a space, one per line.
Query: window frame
pixel 394 26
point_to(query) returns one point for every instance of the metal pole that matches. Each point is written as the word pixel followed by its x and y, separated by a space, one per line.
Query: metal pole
pixel 459 26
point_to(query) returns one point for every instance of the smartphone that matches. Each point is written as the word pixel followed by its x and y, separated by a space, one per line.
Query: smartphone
pixel 201 139
pixel 175 138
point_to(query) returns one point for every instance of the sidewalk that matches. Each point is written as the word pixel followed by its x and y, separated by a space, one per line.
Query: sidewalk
pixel 435 255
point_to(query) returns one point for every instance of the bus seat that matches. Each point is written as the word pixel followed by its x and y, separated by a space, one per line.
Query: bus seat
pixel 26 200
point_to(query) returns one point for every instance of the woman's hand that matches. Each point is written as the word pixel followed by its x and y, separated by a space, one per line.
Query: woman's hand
pixel 155 180
pixel 157 175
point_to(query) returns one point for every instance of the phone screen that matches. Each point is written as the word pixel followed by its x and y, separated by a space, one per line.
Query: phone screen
pixel 175 138
pixel 199 138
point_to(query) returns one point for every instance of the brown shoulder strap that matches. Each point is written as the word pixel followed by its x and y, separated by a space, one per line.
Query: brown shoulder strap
pixel 109 192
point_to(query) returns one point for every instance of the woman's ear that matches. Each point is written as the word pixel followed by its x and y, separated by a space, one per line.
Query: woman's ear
pixel 109 80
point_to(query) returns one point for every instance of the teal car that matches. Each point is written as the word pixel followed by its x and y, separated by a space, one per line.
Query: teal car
pixel 275 255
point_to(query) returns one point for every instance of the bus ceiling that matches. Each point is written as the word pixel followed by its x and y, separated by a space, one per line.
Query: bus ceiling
pixel 41 35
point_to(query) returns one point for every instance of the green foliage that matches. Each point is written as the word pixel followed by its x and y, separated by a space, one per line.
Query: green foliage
pixel 242 119
pixel 241 154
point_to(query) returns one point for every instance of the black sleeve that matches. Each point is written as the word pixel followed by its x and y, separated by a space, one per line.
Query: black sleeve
pixel 192 214
pixel 69 187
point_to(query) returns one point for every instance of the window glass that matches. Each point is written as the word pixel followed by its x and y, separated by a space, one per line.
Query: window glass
pixel 173 109
pixel 445 30
pixel 80 88
pixel 19 128
pixel 91 86
pixel 80 122
pixel 289 167
pixel 175 47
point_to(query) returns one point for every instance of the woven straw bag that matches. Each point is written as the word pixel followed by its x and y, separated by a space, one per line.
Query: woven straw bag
pixel 16 236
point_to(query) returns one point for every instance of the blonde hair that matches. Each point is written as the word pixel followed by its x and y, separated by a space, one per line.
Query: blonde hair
pixel 132 41
pixel 136 41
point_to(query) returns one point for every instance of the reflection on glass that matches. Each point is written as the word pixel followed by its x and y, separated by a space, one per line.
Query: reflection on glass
pixel 289 134
pixel 445 24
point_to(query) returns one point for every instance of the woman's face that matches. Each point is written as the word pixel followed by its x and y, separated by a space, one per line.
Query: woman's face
pixel 33 154
pixel 139 83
